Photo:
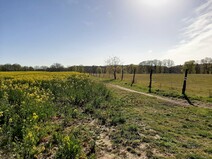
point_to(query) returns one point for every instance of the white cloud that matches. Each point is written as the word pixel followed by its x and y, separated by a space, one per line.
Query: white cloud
pixel 196 37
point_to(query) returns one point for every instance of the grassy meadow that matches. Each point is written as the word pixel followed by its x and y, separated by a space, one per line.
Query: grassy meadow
pixel 162 130
pixel 73 116
pixel 199 86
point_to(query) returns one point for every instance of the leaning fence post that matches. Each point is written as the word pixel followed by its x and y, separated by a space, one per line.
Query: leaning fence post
pixel 133 81
pixel 150 81
pixel 184 82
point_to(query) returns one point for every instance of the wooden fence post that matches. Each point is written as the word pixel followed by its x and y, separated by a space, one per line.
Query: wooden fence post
pixel 150 81
pixel 122 73
pixel 114 73
pixel 184 82
pixel 133 81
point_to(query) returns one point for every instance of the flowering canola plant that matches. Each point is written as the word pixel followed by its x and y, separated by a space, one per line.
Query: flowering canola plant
pixel 29 98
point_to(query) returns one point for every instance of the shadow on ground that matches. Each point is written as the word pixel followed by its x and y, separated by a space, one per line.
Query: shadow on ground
pixel 187 99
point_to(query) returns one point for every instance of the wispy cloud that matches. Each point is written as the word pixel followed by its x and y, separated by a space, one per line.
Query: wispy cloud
pixel 196 37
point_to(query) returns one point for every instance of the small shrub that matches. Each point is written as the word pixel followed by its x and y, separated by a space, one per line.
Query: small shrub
pixel 116 120
pixel 133 128
pixel 69 148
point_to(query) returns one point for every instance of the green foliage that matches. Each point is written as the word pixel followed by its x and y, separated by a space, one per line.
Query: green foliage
pixel 117 120
pixel 69 148
pixel 190 65
pixel 28 107
pixel 67 118
pixel 127 135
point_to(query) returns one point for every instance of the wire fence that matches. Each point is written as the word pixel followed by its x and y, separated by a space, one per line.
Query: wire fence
pixel 198 85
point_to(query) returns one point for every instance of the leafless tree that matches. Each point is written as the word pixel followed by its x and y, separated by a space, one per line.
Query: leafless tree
pixel 112 64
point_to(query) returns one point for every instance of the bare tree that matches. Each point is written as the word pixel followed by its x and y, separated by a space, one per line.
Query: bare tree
pixel 168 63
pixel 113 63
pixel 56 67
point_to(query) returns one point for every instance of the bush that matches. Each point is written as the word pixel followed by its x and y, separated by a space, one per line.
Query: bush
pixel 69 148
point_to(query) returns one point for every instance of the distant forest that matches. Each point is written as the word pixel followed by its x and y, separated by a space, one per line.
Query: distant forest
pixel 203 66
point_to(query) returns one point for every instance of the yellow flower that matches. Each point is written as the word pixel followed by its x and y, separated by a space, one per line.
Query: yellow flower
pixel 35 116
pixel 30 136
pixel 10 120
pixel 66 139
pixel 34 147
pixel 36 127
pixel 42 148
pixel 1 114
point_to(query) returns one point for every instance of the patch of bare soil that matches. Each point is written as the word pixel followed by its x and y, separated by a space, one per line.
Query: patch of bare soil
pixel 106 149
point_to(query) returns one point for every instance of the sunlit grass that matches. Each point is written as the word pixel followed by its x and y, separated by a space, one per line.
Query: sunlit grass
pixel 65 114
pixel 170 131
pixel 199 86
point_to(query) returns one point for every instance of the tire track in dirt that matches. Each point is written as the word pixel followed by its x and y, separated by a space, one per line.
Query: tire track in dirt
pixel 178 102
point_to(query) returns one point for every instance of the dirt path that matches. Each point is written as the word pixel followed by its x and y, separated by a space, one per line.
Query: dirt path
pixel 180 102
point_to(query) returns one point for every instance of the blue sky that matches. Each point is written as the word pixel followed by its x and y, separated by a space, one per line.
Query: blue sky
pixel 87 32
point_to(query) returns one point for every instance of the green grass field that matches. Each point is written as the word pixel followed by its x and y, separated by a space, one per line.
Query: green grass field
pixel 74 116
pixel 166 131
pixel 199 86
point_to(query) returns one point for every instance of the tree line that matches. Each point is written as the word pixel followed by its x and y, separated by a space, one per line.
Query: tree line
pixel 203 66
pixel 114 66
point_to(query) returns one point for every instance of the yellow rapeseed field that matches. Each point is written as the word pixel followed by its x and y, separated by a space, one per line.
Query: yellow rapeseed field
pixel 36 75
pixel 8 82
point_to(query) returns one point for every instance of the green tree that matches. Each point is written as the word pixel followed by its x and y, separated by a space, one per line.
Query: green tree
pixel 190 65
pixel 99 70
pixel 207 65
